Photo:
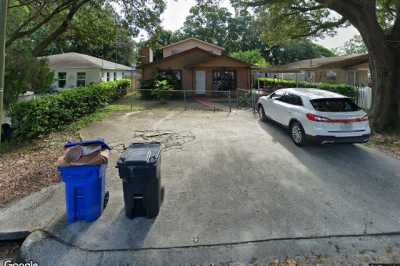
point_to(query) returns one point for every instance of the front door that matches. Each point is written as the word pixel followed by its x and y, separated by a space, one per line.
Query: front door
pixel 200 82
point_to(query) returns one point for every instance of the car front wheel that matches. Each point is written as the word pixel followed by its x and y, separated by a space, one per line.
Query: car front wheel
pixel 261 113
pixel 297 133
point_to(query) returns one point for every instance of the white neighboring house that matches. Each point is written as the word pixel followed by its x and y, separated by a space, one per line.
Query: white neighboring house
pixel 73 70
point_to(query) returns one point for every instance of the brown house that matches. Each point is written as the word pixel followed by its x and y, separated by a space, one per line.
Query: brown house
pixel 200 66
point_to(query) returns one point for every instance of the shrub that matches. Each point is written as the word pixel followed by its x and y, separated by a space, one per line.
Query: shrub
pixel 162 90
pixel 48 113
pixel 23 73
pixel 147 86
pixel 282 83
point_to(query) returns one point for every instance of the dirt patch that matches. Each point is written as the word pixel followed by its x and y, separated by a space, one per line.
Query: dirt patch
pixel 388 143
pixel 30 168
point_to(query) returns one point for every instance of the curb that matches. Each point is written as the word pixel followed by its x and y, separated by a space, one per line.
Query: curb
pixel 14 235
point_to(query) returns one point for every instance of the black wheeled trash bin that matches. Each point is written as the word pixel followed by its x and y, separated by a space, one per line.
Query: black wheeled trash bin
pixel 139 169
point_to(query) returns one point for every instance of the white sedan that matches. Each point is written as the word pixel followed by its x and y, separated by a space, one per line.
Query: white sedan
pixel 312 114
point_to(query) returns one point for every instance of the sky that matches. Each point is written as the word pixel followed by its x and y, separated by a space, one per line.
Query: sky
pixel 177 10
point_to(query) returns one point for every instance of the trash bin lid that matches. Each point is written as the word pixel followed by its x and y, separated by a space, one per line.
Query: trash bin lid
pixel 140 153
pixel 99 141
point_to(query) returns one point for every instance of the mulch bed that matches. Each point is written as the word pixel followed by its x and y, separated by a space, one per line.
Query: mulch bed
pixel 30 168
pixel 388 143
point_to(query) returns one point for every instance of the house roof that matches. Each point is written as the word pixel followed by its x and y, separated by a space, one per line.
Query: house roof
pixel 193 39
pixel 216 57
pixel 201 61
pixel 79 61
pixel 171 57
pixel 321 63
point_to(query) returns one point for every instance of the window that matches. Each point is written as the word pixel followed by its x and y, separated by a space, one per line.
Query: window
pixel 334 105
pixel 331 75
pixel 175 76
pixel 81 79
pixel 291 99
pixel 62 79
pixel 108 76
pixel 115 75
pixel 276 95
pixel 224 80
pixel 175 73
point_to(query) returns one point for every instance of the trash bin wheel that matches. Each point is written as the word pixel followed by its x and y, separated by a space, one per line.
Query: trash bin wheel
pixel 106 198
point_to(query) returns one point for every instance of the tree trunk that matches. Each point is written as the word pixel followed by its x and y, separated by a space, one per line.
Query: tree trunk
pixel 384 58
pixel 385 72
pixel 385 112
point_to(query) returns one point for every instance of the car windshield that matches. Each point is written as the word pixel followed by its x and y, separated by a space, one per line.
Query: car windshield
pixel 334 105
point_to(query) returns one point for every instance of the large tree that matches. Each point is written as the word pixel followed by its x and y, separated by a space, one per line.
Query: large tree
pixel 378 22
pixel 213 23
pixel 296 50
pixel 241 32
pixel 27 17
pixel 252 57
pixel 96 30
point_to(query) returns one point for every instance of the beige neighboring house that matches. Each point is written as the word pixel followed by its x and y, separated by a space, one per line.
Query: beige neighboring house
pixel 200 66
pixel 351 69
pixel 74 70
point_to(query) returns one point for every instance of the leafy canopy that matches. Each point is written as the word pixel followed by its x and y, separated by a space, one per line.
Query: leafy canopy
pixel 295 50
pixel 51 19
pixel 355 45
pixel 284 20
pixel 23 73
pixel 98 31
pixel 252 57
pixel 240 34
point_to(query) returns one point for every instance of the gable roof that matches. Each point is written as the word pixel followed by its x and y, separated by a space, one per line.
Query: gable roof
pixel 78 61
pixel 319 63
pixel 193 39
pixel 201 61
pixel 171 57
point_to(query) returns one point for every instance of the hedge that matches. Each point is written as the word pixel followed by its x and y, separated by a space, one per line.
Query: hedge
pixel 282 83
pixel 49 113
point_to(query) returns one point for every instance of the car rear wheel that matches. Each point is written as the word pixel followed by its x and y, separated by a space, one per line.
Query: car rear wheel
pixel 297 133
pixel 261 113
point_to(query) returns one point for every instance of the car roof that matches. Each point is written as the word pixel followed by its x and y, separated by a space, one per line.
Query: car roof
pixel 312 93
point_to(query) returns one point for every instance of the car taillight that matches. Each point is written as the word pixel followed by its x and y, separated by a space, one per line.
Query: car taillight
pixel 317 118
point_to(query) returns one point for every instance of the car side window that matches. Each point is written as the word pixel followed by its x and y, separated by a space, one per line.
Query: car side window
pixel 277 95
pixel 284 98
pixel 296 100
pixel 291 99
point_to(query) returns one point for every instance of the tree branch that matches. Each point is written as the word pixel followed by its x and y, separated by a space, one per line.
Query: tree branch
pixel 61 29
pixel 20 34
pixel 321 27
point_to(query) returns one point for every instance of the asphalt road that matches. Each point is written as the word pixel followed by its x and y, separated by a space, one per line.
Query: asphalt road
pixel 236 189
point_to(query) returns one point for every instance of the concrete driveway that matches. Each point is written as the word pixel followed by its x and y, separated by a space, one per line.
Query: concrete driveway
pixel 236 190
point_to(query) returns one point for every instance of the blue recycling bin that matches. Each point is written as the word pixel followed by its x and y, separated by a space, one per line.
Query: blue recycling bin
pixel 84 187
pixel 84 191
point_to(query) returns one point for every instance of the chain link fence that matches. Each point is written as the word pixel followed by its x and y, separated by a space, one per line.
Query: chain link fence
pixel 192 100
pixel 225 101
